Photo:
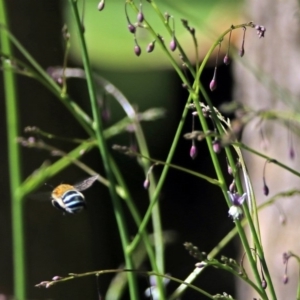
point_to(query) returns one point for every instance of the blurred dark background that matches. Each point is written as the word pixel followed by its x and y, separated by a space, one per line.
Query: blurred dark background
pixel 57 244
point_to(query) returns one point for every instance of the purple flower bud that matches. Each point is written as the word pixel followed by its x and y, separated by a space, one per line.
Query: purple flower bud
pixel 242 51
pixel 101 5
pixel 285 279
pixel 266 190
pixel 193 152
pixel 217 146
pixel 173 44
pixel 232 187
pixel 131 28
pixel 229 170
pixel 137 50
pixel 213 84
pixel 150 47
pixel 146 183
pixel 226 60
pixel 56 278
pixel 264 284
pixel 292 153
pixel 140 17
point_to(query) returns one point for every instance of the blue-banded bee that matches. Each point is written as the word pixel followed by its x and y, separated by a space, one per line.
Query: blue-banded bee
pixel 68 198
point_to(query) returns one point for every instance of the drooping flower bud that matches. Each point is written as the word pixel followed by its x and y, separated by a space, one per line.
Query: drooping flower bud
pixel 193 151
pixel 131 28
pixel 150 47
pixel 146 183
pixel 226 60
pixel 242 51
pixel 217 146
pixel 140 16
pixel 264 284
pixel 229 169
pixel 266 190
pixel 101 5
pixel 213 84
pixel 232 186
pixel 173 44
pixel 137 50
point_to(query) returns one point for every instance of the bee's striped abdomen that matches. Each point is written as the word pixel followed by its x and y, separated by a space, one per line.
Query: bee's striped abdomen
pixel 68 198
pixel 73 201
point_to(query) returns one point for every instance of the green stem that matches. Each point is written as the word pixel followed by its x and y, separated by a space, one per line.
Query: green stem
pixel 98 127
pixel 161 181
pixel 14 166
pixel 136 216
pixel 142 144
pixel 270 159
pixel 219 171
pixel 72 276
pixel 160 42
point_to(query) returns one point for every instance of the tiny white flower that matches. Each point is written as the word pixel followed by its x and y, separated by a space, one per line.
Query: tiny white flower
pixel 152 291
pixel 235 212
pixel 237 201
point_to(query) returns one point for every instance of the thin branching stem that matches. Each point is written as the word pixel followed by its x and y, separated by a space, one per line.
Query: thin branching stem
pixel 98 128
pixel 14 164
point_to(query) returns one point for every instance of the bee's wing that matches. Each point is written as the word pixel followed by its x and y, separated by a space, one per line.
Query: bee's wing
pixel 85 184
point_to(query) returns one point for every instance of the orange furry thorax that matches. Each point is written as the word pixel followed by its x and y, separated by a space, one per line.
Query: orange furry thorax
pixel 61 189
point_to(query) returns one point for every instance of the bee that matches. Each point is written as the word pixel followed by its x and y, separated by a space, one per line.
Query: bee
pixel 68 198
